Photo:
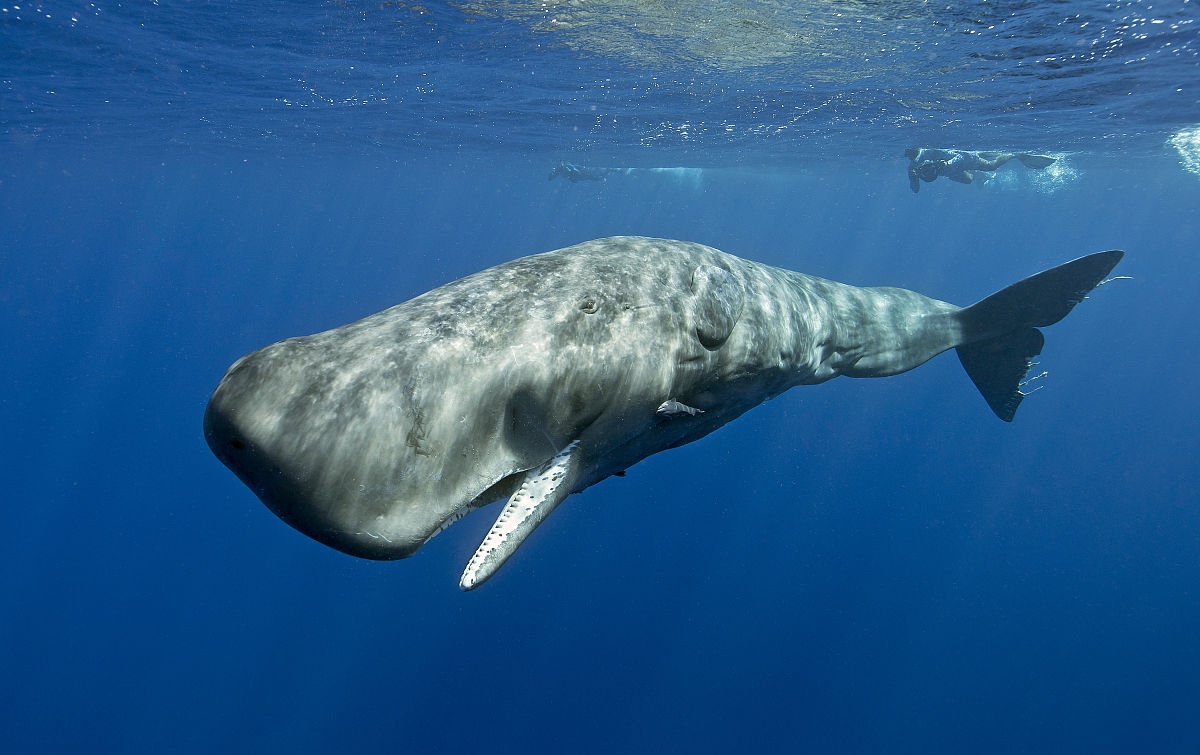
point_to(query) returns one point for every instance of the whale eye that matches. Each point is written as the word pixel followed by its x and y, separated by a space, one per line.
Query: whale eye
pixel 588 307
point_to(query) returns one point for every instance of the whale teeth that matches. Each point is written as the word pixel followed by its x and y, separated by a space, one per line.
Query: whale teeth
pixel 538 494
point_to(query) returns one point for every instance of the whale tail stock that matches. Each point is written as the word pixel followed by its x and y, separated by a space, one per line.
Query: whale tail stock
pixel 1001 335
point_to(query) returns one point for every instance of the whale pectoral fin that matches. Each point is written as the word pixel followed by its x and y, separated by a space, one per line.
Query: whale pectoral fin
pixel 538 494
pixel 671 408
pixel 718 304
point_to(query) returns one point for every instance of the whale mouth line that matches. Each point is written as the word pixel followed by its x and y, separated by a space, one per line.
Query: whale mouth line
pixel 500 488
pixel 449 520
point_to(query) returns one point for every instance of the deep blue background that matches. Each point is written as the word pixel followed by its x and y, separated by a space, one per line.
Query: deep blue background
pixel 858 567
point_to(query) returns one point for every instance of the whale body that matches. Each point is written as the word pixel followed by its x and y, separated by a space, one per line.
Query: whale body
pixel 539 377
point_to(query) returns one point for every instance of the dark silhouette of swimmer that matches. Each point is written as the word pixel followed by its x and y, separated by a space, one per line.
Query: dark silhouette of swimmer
pixel 960 165
pixel 576 173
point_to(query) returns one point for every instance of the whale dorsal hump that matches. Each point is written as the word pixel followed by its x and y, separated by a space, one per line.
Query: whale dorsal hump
pixel 717 302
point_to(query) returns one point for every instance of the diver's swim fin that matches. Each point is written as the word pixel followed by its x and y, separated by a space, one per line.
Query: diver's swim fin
pixel 1035 161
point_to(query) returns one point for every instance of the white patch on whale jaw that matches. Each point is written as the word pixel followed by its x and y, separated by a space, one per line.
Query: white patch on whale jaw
pixel 539 493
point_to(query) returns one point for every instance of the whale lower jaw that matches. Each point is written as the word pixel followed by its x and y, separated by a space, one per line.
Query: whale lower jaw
pixel 538 494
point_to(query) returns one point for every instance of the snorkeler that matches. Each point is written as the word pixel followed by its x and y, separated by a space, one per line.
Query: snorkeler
pixel 960 165
pixel 575 173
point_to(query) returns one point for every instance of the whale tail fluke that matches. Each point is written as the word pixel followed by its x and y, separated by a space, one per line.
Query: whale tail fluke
pixel 1001 335
pixel 998 367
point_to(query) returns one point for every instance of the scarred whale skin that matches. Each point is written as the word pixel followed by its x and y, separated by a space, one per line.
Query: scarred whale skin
pixel 539 377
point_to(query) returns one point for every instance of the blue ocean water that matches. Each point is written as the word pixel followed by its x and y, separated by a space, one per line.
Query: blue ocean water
pixel 858 567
